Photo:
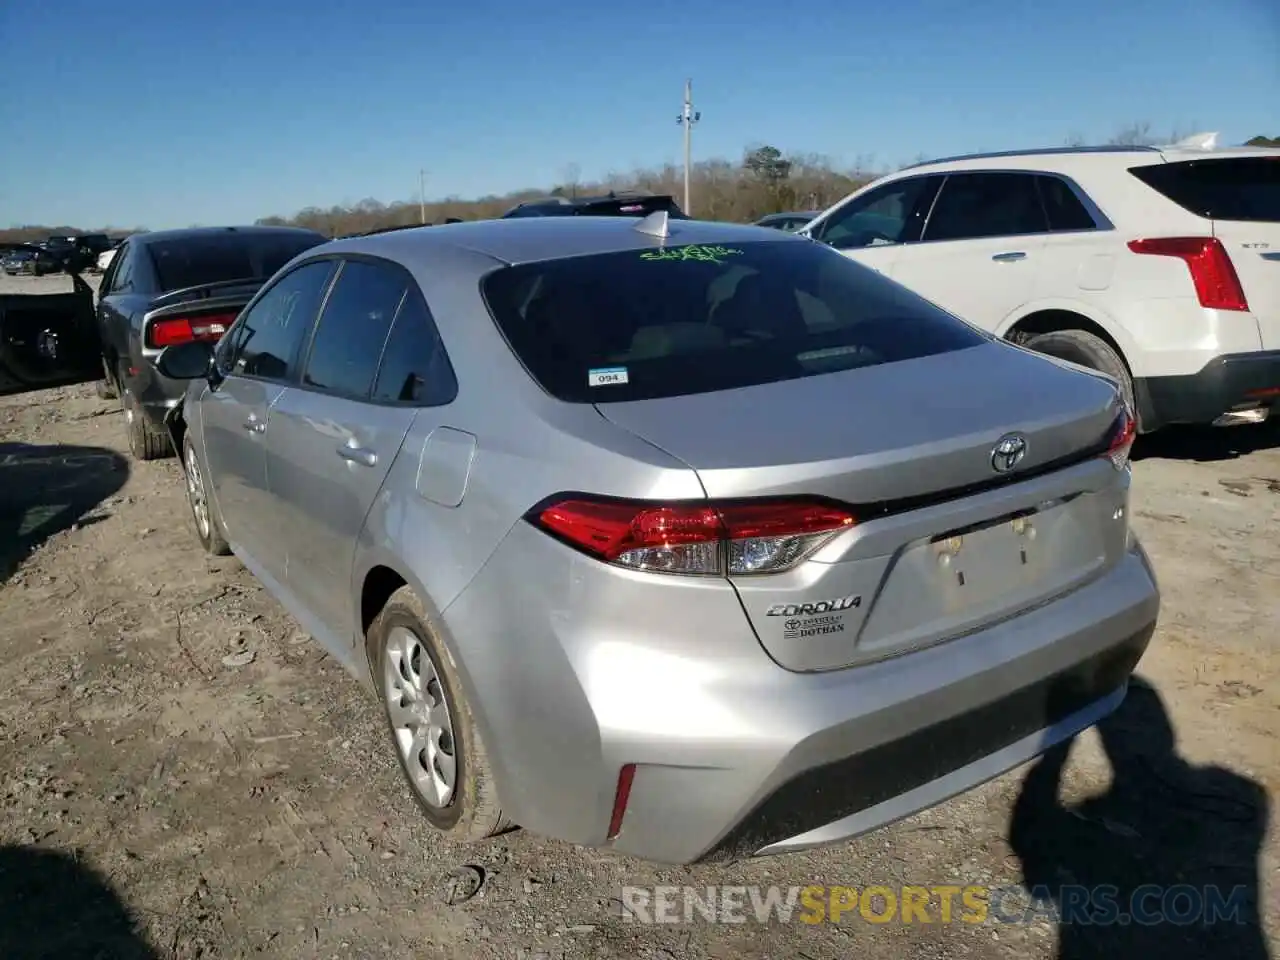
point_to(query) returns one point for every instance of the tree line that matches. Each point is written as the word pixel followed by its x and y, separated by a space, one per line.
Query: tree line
pixel 765 180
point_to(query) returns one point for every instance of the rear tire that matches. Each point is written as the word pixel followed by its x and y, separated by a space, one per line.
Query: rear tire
pixel 411 666
pixel 1088 350
pixel 204 512
pixel 146 442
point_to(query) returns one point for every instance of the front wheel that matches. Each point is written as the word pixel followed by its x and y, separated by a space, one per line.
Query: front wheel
pixel 1088 350
pixel 204 513
pixel 432 728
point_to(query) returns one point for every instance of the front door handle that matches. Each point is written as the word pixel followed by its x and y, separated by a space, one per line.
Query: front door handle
pixel 254 425
pixel 360 455
pixel 1009 257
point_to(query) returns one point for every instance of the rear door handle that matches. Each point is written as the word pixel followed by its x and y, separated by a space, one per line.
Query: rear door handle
pixel 360 455
pixel 1009 257
pixel 254 425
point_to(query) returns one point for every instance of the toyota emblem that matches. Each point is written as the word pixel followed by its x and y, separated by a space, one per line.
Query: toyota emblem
pixel 1009 451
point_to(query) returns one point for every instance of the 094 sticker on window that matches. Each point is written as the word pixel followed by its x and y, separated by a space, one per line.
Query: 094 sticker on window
pixel 606 376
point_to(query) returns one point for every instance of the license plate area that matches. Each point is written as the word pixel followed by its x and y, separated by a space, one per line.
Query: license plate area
pixel 956 581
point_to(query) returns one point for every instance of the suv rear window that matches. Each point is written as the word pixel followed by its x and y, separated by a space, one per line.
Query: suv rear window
pixel 191 261
pixel 645 324
pixel 1237 188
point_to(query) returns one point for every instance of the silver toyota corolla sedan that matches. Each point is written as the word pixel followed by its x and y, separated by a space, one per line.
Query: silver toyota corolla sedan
pixel 684 539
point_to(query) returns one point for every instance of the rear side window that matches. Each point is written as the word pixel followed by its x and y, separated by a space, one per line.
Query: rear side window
pixel 213 258
pixel 1236 188
pixel 353 328
pixel 1063 207
pixel 644 324
pixel 976 205
pixel 415 368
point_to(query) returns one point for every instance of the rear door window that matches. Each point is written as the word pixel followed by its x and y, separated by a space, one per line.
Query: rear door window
pixel 1236 188
pixel 1064 209
pixel 974 206
pixel 353 328
pixel 643 324
pixel 415 368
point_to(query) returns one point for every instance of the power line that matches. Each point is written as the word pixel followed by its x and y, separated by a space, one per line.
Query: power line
pixel 688 117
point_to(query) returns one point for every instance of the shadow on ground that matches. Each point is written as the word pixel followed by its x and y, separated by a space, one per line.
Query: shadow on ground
pixel 1207 444
pixel 1164 864
pixel 53 906
pixel 46 489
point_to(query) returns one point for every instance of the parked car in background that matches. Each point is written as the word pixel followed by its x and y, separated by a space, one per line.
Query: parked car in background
pixel 1158 266
pixel 787 222
pixel 106 256
pixel 613 204
pixel 32 260
pixel 18 261
pixel 519 477
pixel 170 287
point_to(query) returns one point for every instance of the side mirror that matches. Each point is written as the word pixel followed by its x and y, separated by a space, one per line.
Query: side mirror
pixel 186 361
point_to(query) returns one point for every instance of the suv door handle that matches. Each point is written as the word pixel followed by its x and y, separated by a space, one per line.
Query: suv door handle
pixel 254 425
pixel 1009 257
pixel 360 455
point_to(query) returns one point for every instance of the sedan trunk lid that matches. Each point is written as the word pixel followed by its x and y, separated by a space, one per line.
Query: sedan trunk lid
pixel 946 539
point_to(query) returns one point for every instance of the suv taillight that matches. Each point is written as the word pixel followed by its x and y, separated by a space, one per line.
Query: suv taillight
pixel 1212 271
pixel 171 330
pixel 704 538
pixel 1120 439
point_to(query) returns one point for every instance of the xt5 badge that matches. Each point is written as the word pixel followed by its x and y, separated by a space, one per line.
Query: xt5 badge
pixel 805 620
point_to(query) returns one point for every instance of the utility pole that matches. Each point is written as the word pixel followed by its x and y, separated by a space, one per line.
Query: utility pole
pixel 687 119
pixel 422 196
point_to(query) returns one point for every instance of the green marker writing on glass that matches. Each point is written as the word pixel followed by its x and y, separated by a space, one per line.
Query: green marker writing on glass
pixel 696 251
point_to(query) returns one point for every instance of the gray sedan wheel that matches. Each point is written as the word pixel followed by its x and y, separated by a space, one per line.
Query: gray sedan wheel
pixel 432 727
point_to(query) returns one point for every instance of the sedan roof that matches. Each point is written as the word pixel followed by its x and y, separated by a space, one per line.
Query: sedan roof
pixel 550 238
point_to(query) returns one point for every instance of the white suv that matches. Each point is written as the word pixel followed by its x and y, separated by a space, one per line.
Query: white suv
pixel 1159 266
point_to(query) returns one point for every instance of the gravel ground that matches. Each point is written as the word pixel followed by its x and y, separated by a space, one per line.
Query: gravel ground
pixel 184 774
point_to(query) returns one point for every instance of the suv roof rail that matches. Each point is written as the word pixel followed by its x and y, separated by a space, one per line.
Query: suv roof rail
pixel 1042 152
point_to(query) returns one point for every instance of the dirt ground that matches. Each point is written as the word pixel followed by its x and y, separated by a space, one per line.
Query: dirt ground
pixel 184 774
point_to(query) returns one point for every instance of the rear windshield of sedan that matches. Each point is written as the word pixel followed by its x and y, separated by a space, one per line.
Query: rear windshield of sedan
pixel 646 324
pixel 192 261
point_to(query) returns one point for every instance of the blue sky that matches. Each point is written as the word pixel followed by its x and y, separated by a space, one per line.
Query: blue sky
pixel 154 113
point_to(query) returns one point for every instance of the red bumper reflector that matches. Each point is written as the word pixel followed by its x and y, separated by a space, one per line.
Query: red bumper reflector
pixel 625 776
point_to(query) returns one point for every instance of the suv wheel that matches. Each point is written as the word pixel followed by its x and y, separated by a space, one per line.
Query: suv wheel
pixel 204 513
pixel 146 442
pixel 1088 350
pixel 431 725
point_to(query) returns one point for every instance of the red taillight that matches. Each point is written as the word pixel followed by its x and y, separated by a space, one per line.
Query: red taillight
pixel 705 538
pixel 1120 439
pixel 620 797
pixel 1212 271
pixel 171 330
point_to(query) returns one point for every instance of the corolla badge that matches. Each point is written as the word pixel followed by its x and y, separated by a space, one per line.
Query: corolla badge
pixel 1009 451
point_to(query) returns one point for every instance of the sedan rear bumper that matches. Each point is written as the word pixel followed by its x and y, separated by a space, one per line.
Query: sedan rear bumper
pixel 579 669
